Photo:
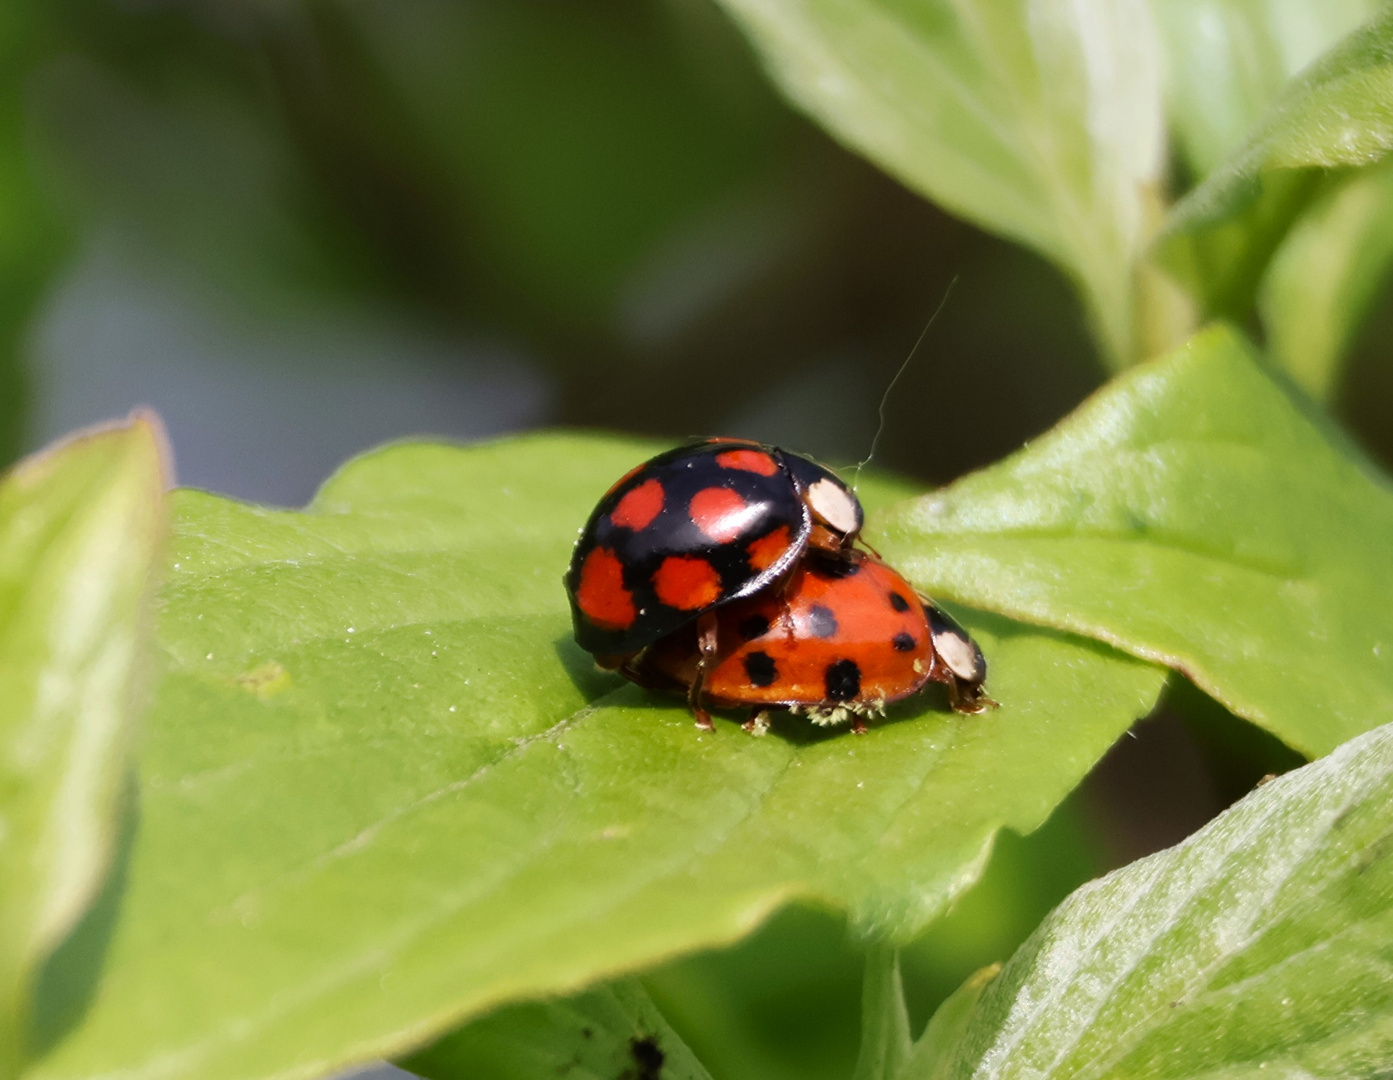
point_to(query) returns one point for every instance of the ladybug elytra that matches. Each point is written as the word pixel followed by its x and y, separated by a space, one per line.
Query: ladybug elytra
pixel 726 569
pixel 839 641
pixel 695 528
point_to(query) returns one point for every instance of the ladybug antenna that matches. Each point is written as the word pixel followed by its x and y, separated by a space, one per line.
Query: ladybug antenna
pixel 885 397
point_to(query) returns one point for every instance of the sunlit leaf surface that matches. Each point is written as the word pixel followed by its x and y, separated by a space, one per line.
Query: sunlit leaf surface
pixel 382 791
pixel 1197 514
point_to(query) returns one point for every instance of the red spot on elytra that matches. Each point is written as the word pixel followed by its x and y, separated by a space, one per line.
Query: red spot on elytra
pixel 687 583
pixel 720 513
pixel 638 508
pixel 764 552
pixel 601 594
pixel 755 461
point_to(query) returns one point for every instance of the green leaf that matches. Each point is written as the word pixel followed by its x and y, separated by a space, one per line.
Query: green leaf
pixel 1260 946
pixel 1196 514
pixel 782 1004
pixel 1228 60
pixel 885 1041
pixel 611 1033
pixel 1036 120
pixel 80 526
pixel 1339 112
pixel 383 792
pixel 1027 877
pixel 1326 276
pixel 931 1058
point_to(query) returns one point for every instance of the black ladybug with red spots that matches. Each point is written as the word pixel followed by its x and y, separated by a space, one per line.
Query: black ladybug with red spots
pixel 699 552
pixel 695 528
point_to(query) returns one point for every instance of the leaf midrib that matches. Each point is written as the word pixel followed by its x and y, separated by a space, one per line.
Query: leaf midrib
pixel 1068 220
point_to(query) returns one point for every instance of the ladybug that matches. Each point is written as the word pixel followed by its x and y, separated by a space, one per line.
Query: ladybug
pixel 839 641
pixel 694 529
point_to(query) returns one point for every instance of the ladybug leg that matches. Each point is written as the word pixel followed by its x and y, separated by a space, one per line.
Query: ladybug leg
pixel 967 697
pixel 786 617
pixel 858 725
pixel 706 645
pixel 758 723
pixel 862 541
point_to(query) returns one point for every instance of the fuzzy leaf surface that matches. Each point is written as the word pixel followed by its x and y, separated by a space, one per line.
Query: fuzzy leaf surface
pixel 1260 946
pixel 1338 112
pixel 383 792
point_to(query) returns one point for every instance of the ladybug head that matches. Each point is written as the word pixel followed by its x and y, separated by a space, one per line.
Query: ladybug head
pixel 835 508
pixel 955 648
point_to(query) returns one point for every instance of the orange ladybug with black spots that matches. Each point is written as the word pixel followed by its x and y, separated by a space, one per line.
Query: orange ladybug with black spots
pixel 840 640
pixel 694 529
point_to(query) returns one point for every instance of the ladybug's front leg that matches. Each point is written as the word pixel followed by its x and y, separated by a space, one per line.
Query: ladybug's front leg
pixel 967 697
pixel 706 645
pixel 758 723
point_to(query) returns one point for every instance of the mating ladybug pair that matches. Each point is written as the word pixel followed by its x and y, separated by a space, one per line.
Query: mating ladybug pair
pixel 726 569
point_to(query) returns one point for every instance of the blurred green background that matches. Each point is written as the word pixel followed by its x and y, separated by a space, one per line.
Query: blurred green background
pixel 299 228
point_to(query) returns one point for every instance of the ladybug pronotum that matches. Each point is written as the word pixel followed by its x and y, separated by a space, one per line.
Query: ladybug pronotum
pixel 726 569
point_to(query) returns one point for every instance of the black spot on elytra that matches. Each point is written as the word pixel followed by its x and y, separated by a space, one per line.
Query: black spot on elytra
pixel 760 668
pixel 843 680
pixel 753 626
pixel 822 622
pixel 898 602
pixel 648 1058
pixel 903 642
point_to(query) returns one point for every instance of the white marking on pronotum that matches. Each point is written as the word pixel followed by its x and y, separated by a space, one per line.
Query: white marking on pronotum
pixel 959 654
pixel 885 397
pixel 831 503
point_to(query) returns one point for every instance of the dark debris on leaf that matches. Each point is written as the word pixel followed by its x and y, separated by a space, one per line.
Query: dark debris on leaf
pixel 648 1059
